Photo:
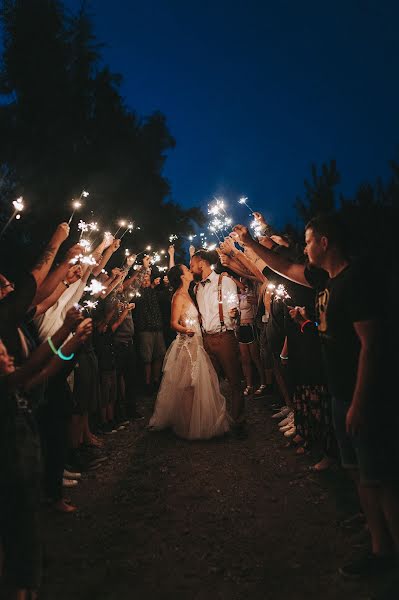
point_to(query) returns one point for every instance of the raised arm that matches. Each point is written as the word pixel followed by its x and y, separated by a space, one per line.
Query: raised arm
pixel 43 265
pixel 279 264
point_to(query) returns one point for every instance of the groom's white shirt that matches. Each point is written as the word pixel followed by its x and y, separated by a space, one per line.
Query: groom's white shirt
pixel 208 304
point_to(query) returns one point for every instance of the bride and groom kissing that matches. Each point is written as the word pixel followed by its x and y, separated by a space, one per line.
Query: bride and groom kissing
pixel 189 400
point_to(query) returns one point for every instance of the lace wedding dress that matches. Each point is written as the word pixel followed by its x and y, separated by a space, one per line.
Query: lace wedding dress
pixel 189 399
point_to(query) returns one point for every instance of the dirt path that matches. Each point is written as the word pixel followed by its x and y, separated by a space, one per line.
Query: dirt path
pixel 219 520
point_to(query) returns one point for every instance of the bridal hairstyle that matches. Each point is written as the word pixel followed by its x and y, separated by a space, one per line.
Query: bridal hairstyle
pixel 174 276
pixel 209 256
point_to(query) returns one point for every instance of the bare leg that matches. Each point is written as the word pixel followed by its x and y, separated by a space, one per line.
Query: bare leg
pixel 246 363
pixel 370 499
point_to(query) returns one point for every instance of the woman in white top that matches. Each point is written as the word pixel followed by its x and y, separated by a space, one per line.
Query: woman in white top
pixel 248 338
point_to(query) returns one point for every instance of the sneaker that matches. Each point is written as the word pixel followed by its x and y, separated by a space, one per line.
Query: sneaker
pixel 68 483
pixel 287 420
pixel 290 432
pixel 109 429
pixel 284 412
pixel 368 565
pixel 71 475
pixel 287 427
pixel 263 390
pixel 137 416
pixel 248 390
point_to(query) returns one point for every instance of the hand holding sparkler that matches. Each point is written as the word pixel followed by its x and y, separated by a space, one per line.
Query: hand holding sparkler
pixel 171 250
pixel 74 274
pixel 191 250
pixel 73 251
pixel 115 245
pixel 298 314
pixel 61 233
pixel 131 260
pixel 72 319
pixel 243 234
pixel 84 330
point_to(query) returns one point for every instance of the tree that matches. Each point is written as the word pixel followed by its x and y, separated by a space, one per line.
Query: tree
pixel 319 192
pixel 65 127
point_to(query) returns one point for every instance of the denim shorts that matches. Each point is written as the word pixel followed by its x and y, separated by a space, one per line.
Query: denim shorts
pixel 370 452
pixel 152 346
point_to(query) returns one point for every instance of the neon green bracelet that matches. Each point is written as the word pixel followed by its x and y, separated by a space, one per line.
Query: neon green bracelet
pixel 51 344
pixel 70 357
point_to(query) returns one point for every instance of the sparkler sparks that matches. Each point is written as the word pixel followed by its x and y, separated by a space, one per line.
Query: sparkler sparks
pixel 243 200
pixel 95 288
pixel 279 292
pixel 172 238
pixel 18 206
pixel 84 260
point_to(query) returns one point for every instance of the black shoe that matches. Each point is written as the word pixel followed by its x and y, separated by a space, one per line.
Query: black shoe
pixel 368 565
pixel 109 429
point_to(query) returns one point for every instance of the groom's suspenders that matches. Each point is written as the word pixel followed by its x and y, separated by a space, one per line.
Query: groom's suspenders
pixel 220 301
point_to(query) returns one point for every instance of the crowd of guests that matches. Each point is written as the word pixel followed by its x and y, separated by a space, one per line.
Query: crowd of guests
pixel 73 337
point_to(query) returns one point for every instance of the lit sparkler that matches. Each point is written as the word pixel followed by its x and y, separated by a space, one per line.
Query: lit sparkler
pixel 95 288
pixel 279 292
pixel 129 229
pixel 172 238
pixel 83 260
pixel 121 225
pixel 18 207
pixel 243 200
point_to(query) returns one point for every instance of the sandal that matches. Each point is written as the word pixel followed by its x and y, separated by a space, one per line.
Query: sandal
pixel 260 390
pixel 248 390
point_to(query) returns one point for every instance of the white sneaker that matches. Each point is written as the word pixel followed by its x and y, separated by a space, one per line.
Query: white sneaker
pixel 284 412
pixel 68 483
pixel 287 420
pixel 287 427
pixel 68 475
pixel 290 432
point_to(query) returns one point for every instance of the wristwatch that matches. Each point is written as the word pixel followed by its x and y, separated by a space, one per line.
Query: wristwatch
pixel 64 281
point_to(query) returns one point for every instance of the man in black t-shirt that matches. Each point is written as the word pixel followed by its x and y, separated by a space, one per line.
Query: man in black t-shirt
pixel 351 328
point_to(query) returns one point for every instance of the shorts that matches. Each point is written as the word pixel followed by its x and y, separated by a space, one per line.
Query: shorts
pixel 247 334
pixel 152 346
pixel 371 451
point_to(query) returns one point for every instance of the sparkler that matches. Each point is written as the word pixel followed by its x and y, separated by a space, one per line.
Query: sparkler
pixel 279 292
pixel 93 226
pixel 231 299
pixel 121 225
pixel 95 288
pixel 243 200
pixel 257 228
pixel 86 245
pixel 128 229
pixel 172 238
pixel 18 207
pixel 83 227
pixel 84 260
pixel 76 204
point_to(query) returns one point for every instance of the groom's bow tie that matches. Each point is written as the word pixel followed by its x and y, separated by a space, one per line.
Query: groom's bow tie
pixel 203 283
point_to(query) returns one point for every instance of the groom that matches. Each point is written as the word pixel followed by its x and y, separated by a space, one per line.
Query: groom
pixel 214 294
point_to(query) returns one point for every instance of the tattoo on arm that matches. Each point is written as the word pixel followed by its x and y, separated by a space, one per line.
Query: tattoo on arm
pixel 46 257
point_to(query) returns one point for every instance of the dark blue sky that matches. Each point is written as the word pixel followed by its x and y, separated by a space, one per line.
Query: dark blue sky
pixel 254 92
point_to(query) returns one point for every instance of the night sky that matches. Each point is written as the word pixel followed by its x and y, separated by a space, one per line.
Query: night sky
pixel 254 92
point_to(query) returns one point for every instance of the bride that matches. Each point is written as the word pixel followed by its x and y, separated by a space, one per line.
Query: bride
pixel 189 399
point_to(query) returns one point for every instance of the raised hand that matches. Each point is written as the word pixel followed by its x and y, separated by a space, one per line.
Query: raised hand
pixel 72 319
pixel 131 260
pixel 171 250
pixel 115 245
pixel 74 274
pixel 61 233
pixel 259 218
pixel 74 251
pixel 84 330
pixel 242 233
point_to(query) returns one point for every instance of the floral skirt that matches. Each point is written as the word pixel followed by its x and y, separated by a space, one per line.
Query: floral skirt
pixel 313 422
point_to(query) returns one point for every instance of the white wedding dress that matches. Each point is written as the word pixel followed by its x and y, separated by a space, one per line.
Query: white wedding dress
pixel 189 399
